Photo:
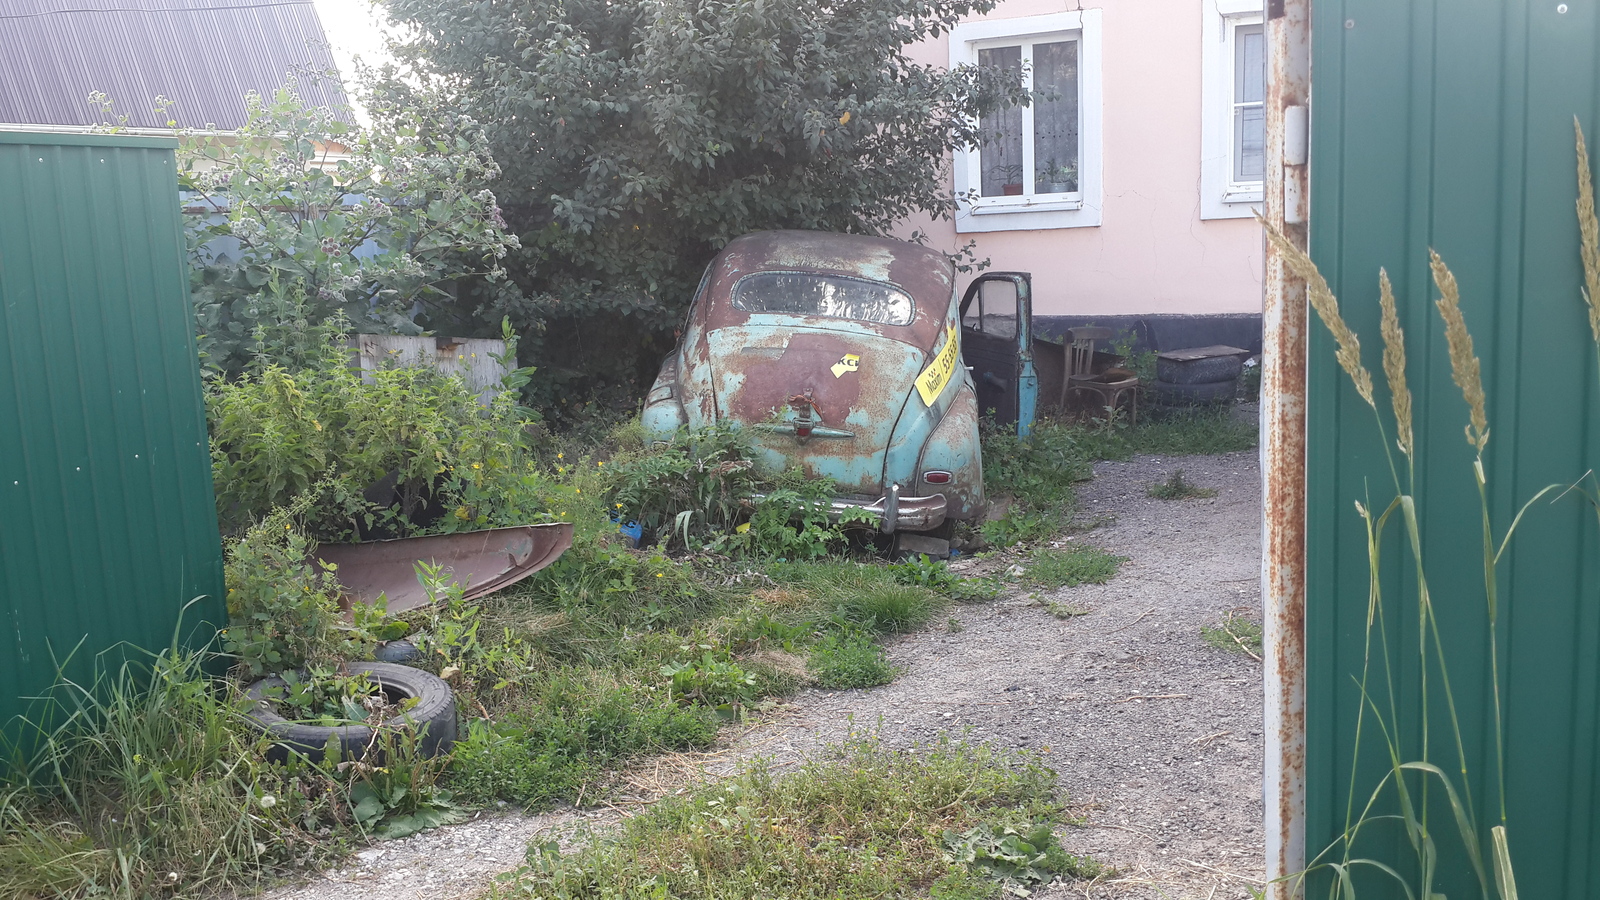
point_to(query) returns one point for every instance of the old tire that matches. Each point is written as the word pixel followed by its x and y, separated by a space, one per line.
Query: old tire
pixel 433 717
pixel 1209 370
pixel 1193 394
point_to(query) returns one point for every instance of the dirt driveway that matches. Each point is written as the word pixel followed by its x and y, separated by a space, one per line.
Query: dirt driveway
pixel 1156 736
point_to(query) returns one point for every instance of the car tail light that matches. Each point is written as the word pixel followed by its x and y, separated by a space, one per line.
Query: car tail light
pixel 937 476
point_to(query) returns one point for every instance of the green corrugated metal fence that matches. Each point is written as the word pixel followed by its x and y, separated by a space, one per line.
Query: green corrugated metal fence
pixel 1450 125
pixel 107 523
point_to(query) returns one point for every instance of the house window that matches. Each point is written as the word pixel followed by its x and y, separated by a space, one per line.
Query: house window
pixel 1233 130
pixel 1035 166
pixel 1029 150
pixel 1249 104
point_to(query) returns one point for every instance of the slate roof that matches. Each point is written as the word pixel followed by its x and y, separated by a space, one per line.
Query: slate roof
pixel 202 54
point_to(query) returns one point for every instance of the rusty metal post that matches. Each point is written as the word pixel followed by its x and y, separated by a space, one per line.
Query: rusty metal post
pixel 1283 444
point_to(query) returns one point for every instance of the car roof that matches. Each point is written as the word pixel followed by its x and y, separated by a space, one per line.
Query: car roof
pixel 927 275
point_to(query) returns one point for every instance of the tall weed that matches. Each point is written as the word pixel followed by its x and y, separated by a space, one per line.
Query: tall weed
pixel 147 783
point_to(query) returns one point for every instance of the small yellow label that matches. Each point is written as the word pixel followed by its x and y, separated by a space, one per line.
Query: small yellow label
pixel 847 363
pixel 933 379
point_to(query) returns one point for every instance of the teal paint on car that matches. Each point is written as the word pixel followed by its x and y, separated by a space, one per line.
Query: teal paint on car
pixel 841 355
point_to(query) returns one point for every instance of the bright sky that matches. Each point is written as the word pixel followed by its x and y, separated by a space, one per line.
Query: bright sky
pixel 353 28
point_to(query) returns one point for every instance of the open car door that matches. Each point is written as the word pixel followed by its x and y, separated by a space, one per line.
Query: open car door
pixel 997 347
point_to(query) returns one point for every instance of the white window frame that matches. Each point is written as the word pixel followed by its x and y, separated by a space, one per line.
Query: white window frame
pixel 1220 196
pixel 1027 212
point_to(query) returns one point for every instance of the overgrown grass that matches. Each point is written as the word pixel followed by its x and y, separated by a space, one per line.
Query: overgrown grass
pixel 154 787
pixel 1071 567
pixel 869 822
pixel 850 660
pixel 1176 487
pixel 560 734
pixel 147 784
pixel 1038 472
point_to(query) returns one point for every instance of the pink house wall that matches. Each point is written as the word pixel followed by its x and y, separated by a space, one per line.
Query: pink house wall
pixel 1152 253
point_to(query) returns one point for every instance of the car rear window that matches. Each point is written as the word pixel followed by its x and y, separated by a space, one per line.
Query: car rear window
pixel 839 296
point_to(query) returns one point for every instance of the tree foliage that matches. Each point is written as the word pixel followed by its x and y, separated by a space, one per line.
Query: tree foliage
pixel 637 137
pixel 300 216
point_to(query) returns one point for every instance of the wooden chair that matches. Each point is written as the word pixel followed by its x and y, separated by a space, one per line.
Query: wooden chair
pixel 1109 386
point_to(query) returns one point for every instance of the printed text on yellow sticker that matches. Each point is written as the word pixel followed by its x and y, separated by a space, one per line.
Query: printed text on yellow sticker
pixel 933 379
pixel 846 364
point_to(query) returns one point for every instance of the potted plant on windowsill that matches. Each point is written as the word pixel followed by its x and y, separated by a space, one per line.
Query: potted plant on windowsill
pixel 1058 179
pixel 1012 186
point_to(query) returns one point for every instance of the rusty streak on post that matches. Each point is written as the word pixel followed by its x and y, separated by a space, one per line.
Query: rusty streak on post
pixel 1283 445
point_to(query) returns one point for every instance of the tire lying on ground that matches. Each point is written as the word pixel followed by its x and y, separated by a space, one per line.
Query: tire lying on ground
pixel 433 717
pixel 1193 394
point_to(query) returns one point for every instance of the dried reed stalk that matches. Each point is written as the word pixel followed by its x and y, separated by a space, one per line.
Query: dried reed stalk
pixel 1327 308
pixel 1589 231
pixel 1394 364
pixel 1464 367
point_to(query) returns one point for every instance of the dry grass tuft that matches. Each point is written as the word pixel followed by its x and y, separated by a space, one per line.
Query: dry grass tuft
pixel 781 597
pixel 1327 307
pixel 1394 364
pixel 1589 229
pixel 1464 367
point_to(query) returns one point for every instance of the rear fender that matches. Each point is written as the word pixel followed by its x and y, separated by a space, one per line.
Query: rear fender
pixel 954 447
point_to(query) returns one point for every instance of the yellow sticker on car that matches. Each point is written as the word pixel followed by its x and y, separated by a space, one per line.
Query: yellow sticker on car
pixel 848 363
pixel 930 384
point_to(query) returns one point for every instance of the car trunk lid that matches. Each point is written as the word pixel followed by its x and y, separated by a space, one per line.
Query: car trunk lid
pixel 823 399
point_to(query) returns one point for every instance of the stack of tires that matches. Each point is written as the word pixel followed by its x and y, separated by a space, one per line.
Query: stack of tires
pixel 1198 376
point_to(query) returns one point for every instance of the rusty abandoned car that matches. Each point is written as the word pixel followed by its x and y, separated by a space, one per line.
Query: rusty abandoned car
pixel 839 354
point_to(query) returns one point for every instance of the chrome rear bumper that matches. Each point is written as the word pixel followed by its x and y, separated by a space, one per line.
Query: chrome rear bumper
pixel 894 512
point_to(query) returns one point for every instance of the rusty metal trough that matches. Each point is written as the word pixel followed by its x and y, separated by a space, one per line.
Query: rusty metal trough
pixel 482 561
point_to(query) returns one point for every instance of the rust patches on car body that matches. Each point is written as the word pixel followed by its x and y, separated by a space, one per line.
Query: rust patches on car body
pixel 482 562
pixel 814 342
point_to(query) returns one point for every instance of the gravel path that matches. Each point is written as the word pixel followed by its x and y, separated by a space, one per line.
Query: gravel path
pixel 1157 737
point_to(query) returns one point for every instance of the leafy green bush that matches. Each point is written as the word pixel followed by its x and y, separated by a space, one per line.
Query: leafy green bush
pixel 692 487
pixel 411 187
pixel 1023 525
pixel 976 590
pixel 925 572
pixel 849 660
pixel 631 188
pixel 404 450
pixel 703 491
pixel 282 612
pixel 713 679
pixel 1015 857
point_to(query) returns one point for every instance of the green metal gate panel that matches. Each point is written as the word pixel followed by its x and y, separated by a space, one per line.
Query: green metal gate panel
pixel 107 518
pixel 1450 125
